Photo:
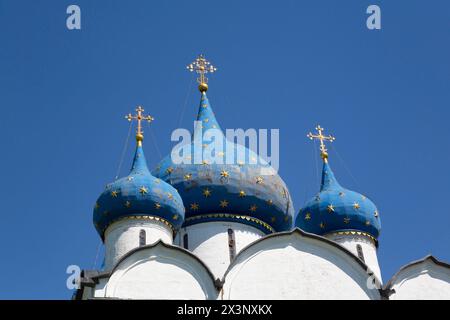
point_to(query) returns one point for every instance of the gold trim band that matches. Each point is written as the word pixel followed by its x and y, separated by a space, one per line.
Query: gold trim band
pixel 231 216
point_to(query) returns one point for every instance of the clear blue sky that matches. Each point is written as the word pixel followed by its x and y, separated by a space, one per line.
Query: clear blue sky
pixel 282 64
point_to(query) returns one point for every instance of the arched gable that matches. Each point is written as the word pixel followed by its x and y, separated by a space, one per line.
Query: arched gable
pixel 427 278
pixel 160 271
pixel 298 265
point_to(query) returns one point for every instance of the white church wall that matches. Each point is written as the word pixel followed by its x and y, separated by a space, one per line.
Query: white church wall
pixel 123 236
pixel 368 247
pixel 425 280
pixel 294 266
pixel 160 272
pixel 209 241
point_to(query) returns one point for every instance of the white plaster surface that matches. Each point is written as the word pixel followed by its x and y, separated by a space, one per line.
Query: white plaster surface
pixel 123 236
pixel 424 281
pixel 368 247
pixel 159 273
pixel 209 241
pixel 296 267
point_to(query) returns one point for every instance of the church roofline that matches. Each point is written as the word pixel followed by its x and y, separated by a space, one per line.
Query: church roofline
pixel 388 286
pixel 89 278
pixel 303 234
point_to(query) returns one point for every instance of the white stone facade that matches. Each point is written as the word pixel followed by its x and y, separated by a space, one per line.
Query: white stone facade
pixel 287 265
pixel 124 235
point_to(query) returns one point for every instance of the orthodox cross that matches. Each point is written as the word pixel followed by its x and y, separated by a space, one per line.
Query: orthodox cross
pixel 139 117
pixel 321 138
pixel 202 66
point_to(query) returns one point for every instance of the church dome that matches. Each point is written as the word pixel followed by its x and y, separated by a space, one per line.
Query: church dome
pixel 336 209
pixel 139 195
pixel 246 189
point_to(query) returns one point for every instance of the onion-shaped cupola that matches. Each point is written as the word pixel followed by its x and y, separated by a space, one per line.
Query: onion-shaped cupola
pixel 336 209
pixel 223 181
pixel 139 195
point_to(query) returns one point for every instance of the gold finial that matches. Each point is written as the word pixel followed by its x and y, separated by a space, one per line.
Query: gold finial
pixel 202 67
pixel 139 117
pixel 322 138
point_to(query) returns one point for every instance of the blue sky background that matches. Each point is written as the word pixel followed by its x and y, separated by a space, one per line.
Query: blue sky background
pixel 282 64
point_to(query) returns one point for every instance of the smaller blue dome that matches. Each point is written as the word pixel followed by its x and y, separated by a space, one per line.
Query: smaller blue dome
pixel 335 208
pixel 140 196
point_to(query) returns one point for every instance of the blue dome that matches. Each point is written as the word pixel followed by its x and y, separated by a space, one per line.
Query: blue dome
pixel 138 196
pixel 246 189
pixel 338 209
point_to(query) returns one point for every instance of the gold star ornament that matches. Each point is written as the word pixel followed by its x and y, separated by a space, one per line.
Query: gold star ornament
pixel 224 174
pixel 330 208
pixel 206 192
pixel 143 190
pixel 224 203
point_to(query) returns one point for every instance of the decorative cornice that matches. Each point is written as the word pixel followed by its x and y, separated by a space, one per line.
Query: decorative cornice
pixel 227 216
pixel 138 217
pixel 353 233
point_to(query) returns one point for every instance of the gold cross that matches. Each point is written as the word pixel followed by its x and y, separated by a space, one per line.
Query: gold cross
pixel 321 138
pixel 202 67
pixel 139 117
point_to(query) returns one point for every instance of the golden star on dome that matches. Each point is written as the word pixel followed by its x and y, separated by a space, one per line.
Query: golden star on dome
pixel 224 203
pixel 346 220
pixel 114 193
pixel 241 194
pixel 224 174
pixel 330 208
pixel 206 120
pixel 273 219
pixel 356 206
pixel 367 223
pixel 253 208
pixel 127 204
pixel 175 217
pixel 322 225
pixel 206 192
pixel 188 177
pixel 170 196
pixel 194 206
pixel 96 206
pixel 308 216
pixel 143 190
pixel 269 202
pixel 169 170
pixel 157 206
pixel 259 180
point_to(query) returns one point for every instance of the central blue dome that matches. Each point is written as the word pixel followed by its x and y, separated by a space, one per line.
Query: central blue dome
pixel 247 191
